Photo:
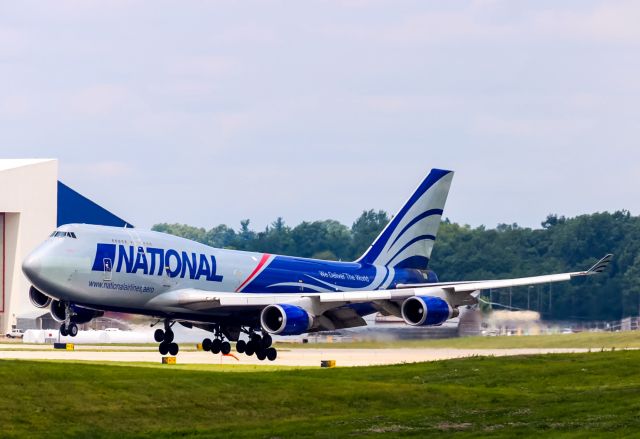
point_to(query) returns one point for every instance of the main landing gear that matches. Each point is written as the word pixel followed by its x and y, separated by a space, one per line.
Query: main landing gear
pixel 259 345
pixel 165 338
pixel 218 344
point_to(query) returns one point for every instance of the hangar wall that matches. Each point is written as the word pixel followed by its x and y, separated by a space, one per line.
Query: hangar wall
pixel 33 202
pixel 29 203
pixel 2 291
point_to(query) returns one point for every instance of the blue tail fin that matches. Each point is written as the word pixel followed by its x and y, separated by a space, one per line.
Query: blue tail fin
pixel 408 239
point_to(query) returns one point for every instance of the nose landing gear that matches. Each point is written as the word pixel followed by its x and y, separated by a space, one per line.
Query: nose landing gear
pixel 70 330
pixel 165 338
pixel 68 327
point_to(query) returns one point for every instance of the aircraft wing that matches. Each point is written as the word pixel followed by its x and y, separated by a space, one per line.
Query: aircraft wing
pixel 470 286
pixel 456 293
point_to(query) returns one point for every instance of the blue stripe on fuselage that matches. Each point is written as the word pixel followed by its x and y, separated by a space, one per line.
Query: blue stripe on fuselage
pixel 312 275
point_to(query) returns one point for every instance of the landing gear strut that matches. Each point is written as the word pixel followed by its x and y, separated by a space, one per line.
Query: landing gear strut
pixel 165 338
pixel 259 344
pixel 68 328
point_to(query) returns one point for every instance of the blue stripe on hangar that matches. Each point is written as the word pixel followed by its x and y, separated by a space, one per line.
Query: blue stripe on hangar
pixel 76 208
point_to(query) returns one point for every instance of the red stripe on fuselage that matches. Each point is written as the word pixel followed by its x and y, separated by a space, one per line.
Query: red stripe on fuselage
pixel 263 261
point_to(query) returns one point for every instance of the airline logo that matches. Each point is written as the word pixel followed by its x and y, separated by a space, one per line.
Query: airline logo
pixel 155 262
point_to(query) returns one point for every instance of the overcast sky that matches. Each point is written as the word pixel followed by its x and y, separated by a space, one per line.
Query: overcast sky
pixel 211 112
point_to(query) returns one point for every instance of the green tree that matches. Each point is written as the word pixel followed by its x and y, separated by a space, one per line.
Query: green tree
pixel 311 238
pixel 365 230
pixel 183 230
pixel 276 238
pixel 221 236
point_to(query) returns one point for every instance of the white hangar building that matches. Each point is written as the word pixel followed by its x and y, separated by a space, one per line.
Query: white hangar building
pixel 32 204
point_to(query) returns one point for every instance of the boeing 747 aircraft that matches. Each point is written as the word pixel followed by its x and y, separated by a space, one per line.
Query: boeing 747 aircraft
pixel 83 270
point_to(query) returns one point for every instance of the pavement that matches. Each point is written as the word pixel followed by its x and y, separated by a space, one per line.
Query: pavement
pixel 286 357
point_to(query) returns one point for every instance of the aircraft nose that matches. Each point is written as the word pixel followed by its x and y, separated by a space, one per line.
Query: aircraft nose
pixel 48 271
pixel 32 266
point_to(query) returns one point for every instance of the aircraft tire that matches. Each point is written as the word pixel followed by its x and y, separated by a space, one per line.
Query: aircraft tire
pixel 163 348
pixel 173 349
pixel 168 336
pixel 206 344
pixel 250 348
pixel 215 346
pixel 63 330
pixel 73 329
pixel 272 354
pixel 261 354
pixel 241 345
pixel 158 335
pixel 225 348
pixel 266 341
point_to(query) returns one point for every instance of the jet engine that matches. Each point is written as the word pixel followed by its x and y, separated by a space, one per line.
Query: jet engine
pixel 285 320
pixel 38 299
pixel 79 314
pixel 57 311
pixel 427 311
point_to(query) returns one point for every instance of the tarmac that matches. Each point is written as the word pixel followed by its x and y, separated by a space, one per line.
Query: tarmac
pixel 286 357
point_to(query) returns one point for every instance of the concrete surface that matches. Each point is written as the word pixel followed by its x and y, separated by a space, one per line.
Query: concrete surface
pixel 286 357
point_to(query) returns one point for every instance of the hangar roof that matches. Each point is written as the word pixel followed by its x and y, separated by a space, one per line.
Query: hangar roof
pixel 6 164
pixel 72 207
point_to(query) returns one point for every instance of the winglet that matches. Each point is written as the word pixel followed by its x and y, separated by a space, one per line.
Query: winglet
pixel 601 265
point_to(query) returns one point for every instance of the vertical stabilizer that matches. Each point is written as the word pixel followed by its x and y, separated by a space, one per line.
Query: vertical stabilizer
pixel 408 239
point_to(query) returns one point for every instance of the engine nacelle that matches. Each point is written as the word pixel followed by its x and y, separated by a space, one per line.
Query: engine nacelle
pixel 57 311
pixel 38 299
pixel 427 311
pixel 79 314
pixel 285 320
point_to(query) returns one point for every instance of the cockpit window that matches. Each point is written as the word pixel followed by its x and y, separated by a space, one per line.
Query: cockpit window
pixel 63 235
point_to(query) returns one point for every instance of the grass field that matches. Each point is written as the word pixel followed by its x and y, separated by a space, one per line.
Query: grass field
pixel 576 395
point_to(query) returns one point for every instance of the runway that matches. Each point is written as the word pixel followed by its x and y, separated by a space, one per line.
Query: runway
pixel 286 357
